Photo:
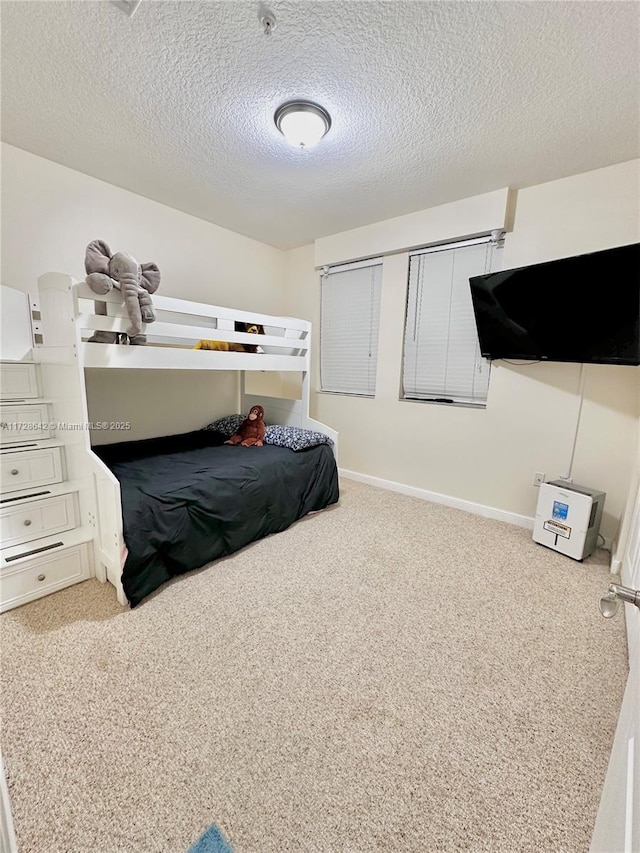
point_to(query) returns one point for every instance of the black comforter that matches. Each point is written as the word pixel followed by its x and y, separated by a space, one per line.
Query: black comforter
pixel 187 500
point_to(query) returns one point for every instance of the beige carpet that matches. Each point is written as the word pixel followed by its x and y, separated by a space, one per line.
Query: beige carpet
pixel 387 675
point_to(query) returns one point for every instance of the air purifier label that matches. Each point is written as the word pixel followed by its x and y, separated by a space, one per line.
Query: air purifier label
pixel 560 510
pixel 557 528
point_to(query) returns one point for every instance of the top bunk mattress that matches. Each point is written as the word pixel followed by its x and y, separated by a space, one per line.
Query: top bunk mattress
pixel 188 500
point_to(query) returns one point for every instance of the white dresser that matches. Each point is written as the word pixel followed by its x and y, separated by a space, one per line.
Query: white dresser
pixel 44 545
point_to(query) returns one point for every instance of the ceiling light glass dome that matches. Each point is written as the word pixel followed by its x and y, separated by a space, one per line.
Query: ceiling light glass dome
pixel 302 123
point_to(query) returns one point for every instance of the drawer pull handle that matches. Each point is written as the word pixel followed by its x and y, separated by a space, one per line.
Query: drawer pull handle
pixel 27 522
pixel 14 471
pixel 41 577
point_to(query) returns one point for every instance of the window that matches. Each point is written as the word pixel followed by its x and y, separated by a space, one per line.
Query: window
pixel 350 316
pixel 442 360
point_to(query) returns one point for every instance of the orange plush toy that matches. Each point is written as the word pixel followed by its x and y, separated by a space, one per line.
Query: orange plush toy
pixel 251 430
pixel 226 346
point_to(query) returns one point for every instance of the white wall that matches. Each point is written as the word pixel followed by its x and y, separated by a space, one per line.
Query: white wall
pixel 471 217
pixel 49 215
pixel 489 456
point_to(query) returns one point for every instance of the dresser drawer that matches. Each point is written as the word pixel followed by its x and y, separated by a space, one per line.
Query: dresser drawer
pixel 44 574
pixel 26 468
pixel 18 381
pixel 19 422
pixel 36 519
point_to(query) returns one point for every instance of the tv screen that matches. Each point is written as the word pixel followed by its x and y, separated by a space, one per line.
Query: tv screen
pixel 583 309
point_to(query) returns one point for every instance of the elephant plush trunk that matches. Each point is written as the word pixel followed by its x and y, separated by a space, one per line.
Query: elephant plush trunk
pixel 131 293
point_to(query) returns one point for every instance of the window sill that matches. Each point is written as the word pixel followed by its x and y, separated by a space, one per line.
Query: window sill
pixel 464 404
pixel 346 394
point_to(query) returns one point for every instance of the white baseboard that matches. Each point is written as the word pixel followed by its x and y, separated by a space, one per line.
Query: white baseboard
pixel 447 500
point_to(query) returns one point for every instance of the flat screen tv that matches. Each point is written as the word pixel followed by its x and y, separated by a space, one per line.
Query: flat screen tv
pixel 584 309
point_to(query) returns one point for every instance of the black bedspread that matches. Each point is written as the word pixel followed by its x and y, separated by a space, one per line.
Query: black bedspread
pixel 187 500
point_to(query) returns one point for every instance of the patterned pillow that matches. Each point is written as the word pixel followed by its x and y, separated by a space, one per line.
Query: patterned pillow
pixel 295 438
pixel 228 425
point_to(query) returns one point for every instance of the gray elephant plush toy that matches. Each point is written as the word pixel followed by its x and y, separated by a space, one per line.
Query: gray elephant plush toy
pixel 135 281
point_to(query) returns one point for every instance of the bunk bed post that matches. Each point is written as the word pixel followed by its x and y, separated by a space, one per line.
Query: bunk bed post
pixel 60 357
pixel 306 391
pixel 306 371
pixel 58 308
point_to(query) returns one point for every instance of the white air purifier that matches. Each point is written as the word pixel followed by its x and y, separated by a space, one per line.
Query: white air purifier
pixel 568 518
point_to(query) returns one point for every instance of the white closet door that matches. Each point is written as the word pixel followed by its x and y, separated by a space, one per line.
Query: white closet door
pixel 617 828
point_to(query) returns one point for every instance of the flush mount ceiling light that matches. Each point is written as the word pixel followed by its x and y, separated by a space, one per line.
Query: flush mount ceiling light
pixel 302 123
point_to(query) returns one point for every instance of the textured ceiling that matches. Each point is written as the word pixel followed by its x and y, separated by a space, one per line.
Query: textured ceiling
pixel 431 102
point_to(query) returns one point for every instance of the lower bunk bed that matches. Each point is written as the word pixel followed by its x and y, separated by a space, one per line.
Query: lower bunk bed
pixel 190 499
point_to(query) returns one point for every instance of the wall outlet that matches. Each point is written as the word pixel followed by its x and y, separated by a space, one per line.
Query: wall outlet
pixel 538 478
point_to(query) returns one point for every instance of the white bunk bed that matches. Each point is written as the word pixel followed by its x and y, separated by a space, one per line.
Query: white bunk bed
pixel 64 315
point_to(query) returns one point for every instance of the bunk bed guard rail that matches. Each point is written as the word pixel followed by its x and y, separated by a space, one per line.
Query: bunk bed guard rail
pixel 172 338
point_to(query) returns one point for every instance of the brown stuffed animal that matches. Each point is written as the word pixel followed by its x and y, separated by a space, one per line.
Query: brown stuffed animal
pixel 251 430
pixel 228 346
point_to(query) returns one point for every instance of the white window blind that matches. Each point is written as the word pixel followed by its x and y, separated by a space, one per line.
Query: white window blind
pixel 442 358
pixel 350 316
